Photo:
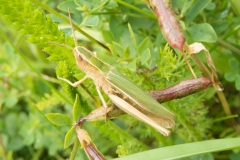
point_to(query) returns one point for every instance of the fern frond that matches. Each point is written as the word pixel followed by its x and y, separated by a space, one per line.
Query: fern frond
pixel 40 29
pixel 64 70
pixel 119 136
pixel 194 125
pixel 48 101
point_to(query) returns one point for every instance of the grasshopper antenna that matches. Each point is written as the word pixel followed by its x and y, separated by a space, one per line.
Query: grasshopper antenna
pixel 70 19
pixel 75 42
pixel 57 44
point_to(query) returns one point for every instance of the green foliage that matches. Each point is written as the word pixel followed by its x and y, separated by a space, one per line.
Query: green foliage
pixel 135 46
pixel 63 70
pixel 59 119
pixel 76 109
pixel 70 137
pixel 119 136
pixel 48 102
pixel 195 9
pixel 234 74
pixel 202 33
pixel 188 122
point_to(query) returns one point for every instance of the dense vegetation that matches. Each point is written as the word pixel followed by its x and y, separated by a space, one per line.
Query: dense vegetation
pixel 125 34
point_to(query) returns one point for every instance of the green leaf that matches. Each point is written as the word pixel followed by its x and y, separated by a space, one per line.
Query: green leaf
pixel 220 26
pixel 203 33
pixel 132 65
pixel 11 101
pixel 116 49
pixel 234 64
pixel 230 77
pixel 235 5
pixel 115 25
pixel 107 36
pixel 144 45
pixel 99 6
pixel 235 156
pixel 186 150
pixel 76 109
pixel 59 119
pixel 92 21
pixel 145 56
pixel 237 82
pixel 84 3
pixel 126 52
pixel 186 6
pixel 70 137
pixel 195 9
pixel 68 4
pixel 211 6
pixel 111 4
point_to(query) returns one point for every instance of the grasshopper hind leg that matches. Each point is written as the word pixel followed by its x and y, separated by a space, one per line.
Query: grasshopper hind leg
pixel 103 102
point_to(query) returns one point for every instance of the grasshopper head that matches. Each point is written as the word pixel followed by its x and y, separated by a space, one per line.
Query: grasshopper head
pixel 79 57
pixel 82 53
pixel 77 54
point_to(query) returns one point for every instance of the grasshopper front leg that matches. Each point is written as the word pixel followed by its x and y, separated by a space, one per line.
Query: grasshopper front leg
pixel 75 84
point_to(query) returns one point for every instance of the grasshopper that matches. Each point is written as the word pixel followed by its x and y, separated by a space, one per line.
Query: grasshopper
pixel 182 89
pixel 121 91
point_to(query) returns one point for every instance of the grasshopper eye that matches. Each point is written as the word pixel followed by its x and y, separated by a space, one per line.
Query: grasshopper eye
pixel 79 56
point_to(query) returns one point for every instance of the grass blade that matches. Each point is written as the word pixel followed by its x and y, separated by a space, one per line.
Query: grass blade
pixel 186 150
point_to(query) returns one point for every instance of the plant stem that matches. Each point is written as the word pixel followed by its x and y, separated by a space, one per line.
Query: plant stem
pixel 229 46
pixel 74 150
pixel 225 118
pixel 137 9
pixel 220 93
pixel 227 110
pixel 4 154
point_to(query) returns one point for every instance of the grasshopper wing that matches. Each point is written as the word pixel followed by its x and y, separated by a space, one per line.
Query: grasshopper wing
pixel 128 108
pixel 139 99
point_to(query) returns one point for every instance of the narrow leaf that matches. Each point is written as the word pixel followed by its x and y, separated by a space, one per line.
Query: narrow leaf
pixel 186 150
pixel 115 25
pixel 76 109
pixel 59 119
pixel 126 52
pixel 100 5
pixel 195 9
pixel 145 56
pixel 132 36
pixel 116 49
pixel 70 137
pixel 144 45
pixel 186 6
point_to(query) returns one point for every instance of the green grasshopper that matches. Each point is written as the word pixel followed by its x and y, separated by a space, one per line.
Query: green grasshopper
pixel 121 91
